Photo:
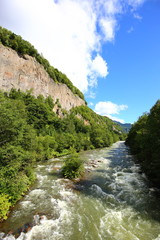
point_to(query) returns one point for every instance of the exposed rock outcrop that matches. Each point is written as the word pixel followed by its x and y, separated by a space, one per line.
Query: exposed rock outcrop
pixel 26 73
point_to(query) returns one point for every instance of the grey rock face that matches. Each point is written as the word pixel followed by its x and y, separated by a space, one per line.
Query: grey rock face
pixel 26 73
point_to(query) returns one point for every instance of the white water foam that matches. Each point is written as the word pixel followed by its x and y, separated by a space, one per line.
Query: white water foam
pixel 158 238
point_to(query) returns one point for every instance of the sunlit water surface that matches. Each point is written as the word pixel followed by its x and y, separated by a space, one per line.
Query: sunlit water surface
pixel 114 202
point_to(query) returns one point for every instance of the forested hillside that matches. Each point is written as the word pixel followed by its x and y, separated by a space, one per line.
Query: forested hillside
pixel 144 141
pixel 125 126
pixel 31 131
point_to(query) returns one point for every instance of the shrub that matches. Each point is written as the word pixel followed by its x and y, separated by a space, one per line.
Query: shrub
pixel 4 206
pixel 73 166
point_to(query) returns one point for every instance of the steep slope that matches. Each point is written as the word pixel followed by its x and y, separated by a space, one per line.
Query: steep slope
pixel 26 73
pixel 125 126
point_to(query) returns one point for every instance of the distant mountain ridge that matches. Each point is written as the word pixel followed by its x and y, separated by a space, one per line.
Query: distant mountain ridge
pixel 125 126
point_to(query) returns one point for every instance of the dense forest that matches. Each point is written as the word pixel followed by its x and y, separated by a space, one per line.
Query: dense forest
pixel 144 141
pixel 22 47
pixel 30 131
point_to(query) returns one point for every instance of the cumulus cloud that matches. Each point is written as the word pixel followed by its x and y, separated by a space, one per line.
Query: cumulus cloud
pixel 100 66
pixel 108 26
pixel 105 108
pixel 109 108
pixel 69 33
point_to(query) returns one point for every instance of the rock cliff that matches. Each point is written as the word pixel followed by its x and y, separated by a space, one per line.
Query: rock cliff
pixel 26 73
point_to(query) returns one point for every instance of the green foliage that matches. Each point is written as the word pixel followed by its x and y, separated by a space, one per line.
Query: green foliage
pixel 16 172
pixel 30 131
pixel 22 47
pixel 100 130
pixel 12 121
pixel 73 166
pixel 46 146
pixel 4 206
pixel 144 141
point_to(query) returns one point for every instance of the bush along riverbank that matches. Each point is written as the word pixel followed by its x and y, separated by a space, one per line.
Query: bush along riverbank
pixel 73 166
pixel 31 132
pixel 144 141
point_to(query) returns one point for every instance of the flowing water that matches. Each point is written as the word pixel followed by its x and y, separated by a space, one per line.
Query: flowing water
pixel 114 202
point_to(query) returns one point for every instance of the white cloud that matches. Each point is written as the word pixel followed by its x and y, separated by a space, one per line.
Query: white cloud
pixel 135 3
pixel 131 29
pixel 100 66
pixel 91 104
pixel 137 16
pixel 97 68
pixel 108 109
pixel 116 119
pixel 69 33
pixel 108 26
pixel 105 108
pixel 91 94
pixel 113 7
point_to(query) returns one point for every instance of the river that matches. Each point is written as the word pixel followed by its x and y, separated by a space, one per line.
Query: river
pixel 114 202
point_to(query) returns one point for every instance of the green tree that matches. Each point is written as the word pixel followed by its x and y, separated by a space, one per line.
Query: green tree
pixel 144 141
pixel 73 167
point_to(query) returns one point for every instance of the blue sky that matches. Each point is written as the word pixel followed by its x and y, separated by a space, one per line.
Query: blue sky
pixel 110 49
pixel 134 63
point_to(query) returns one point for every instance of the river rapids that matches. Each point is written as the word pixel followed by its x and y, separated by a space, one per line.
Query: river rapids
pixel 113 202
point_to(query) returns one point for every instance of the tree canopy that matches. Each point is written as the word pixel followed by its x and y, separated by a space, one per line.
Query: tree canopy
pixel 144 141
